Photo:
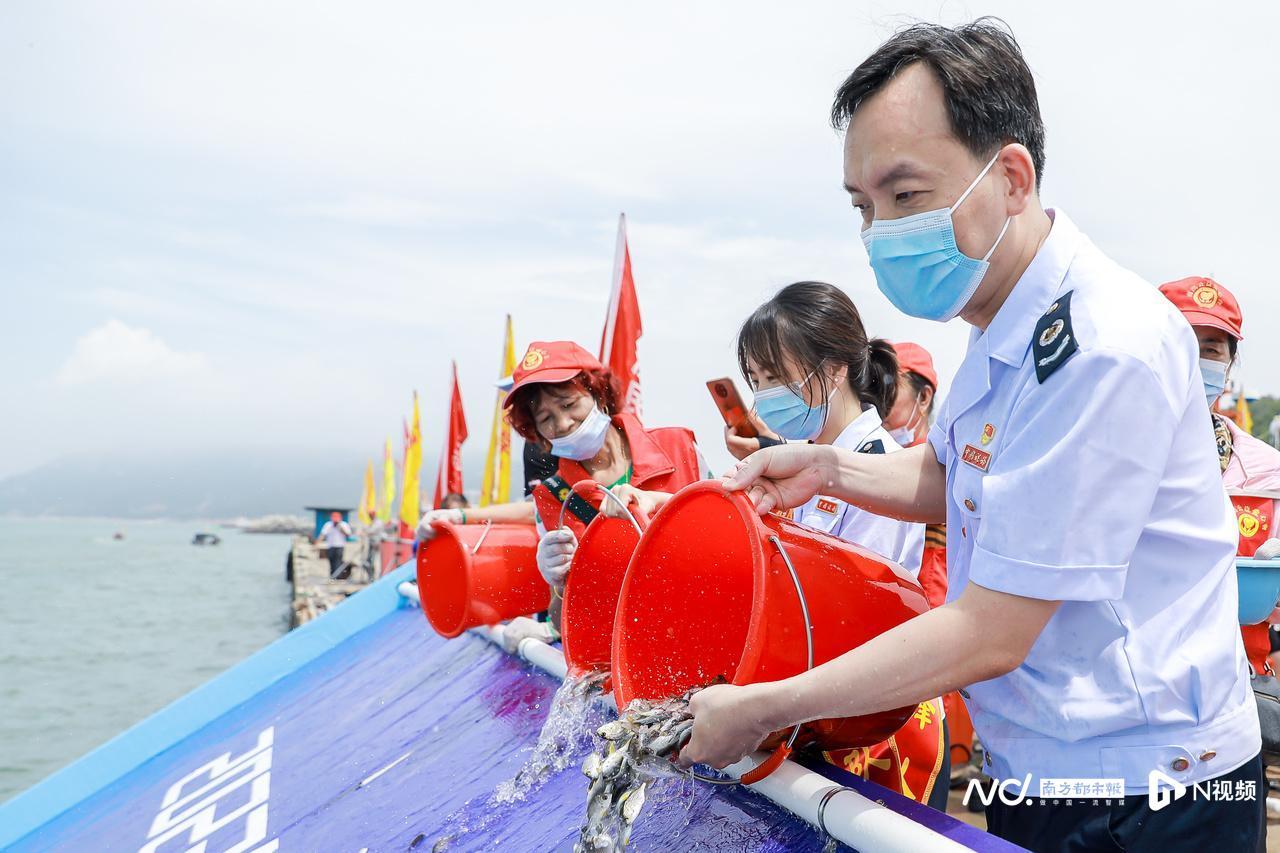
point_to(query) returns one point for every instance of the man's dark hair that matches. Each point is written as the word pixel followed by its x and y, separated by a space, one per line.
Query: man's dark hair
pixel 990 93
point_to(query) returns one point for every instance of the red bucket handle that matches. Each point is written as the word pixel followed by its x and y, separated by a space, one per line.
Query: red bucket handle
pixel 639 520
pixel 783 751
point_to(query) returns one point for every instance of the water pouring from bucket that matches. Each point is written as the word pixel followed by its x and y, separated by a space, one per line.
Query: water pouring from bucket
pixel 716 592
pixel 594 583
pixel 471 575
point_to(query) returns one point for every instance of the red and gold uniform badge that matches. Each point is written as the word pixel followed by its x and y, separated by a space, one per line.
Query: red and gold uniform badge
pixel 1253 522
pixel 533 359
pixel 1204 294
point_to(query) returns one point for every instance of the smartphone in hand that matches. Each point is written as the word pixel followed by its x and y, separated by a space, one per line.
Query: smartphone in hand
pixel 729 402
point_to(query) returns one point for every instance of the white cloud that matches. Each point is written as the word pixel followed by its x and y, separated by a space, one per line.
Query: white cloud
pixel 368 194
pixel 115 351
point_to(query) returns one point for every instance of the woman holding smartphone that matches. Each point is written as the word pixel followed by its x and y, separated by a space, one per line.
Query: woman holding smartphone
pixel 817 377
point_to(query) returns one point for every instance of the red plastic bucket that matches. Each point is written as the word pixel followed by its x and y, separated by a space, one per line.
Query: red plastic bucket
pixel 592 588
pixel 709 594
pixel 472 574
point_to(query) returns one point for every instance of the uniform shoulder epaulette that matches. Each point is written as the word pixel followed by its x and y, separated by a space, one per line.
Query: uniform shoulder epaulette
pixel 1055 341
pixel 875 445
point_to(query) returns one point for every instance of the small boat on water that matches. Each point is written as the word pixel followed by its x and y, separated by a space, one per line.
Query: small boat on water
pixel 206 539
pixel 118 536
pixel 363 729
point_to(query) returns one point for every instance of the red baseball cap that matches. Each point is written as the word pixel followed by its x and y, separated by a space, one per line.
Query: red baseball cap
pixel 916 359
pixel 1204 302
pixel 551 361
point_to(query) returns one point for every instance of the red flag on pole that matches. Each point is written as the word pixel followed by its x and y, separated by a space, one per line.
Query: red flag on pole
pixel 622 327
pixel 449 478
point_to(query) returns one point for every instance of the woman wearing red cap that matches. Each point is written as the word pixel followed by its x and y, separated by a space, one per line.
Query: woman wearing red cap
pixel 908 423
pixel 565 401
pixel 1250 468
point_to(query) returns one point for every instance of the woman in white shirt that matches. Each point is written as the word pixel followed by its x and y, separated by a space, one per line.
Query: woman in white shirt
pixel 817 377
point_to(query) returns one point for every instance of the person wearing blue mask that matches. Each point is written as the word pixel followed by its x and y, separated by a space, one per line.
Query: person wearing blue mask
pixel 817 377
pixel 1090 620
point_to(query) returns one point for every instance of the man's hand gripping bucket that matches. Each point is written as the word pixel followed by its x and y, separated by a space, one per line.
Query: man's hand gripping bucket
pixel 709 596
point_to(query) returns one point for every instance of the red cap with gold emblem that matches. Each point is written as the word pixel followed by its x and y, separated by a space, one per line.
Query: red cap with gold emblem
pixel 551 361
pixel 916 359
pixel 1204 302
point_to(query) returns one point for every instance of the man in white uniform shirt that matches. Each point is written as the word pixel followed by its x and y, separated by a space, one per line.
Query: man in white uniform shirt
pixel 1091 614
pixel 334 536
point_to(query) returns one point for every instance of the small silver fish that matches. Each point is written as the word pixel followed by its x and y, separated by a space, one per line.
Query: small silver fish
pixel 613 764
pixel 646 718
pixel 599 799
pixel 663 744
pixel 632 801
pixel 615 730
pixel 591 767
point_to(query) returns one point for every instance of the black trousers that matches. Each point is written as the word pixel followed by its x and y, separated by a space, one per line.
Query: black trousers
pixel 335 561
pixel 1189 823
pixel 942 786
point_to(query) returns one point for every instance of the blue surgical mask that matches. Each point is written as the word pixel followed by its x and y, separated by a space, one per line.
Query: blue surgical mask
pixel 1214 375
pixel 918 265
pixel 585 441
pixel 785 412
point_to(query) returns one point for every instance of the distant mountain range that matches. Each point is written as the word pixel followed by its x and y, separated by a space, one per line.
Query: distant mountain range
pixel 211 484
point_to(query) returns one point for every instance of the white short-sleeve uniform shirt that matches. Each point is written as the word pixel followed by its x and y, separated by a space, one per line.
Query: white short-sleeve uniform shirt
pixel 1081 467
pixel 900 541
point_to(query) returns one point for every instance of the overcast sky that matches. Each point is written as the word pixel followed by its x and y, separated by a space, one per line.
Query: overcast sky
pixel 263 224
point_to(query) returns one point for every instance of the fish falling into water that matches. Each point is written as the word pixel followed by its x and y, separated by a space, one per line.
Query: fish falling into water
pixel 636 746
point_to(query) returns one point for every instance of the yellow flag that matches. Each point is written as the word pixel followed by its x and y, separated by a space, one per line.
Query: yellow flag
pixel 410 496
pixel 368 498
pixel 1244 417
pixel 388 485
pixel 363 509
pixel 496 486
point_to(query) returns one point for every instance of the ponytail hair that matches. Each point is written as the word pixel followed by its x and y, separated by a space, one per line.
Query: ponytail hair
pixel 812 325
pixel 881 387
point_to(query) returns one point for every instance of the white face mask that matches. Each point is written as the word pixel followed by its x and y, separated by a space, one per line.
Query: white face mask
pixel 906 435
pixel 903 436
pixel 585 441
pixel 1214 375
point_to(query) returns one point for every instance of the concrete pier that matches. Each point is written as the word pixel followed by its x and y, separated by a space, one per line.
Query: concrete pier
pixel 314 591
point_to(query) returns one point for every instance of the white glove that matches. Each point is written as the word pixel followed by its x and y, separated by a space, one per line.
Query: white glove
pixel 426 532
pixel 520 628
pixel 555 552
pixel 1269 550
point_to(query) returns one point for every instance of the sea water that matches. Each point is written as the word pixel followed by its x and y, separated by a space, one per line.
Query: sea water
pixel 96 634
